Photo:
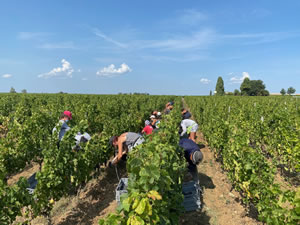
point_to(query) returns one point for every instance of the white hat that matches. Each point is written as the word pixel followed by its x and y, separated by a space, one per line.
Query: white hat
pixel 85 136
pixel 159 113
pixel 152 117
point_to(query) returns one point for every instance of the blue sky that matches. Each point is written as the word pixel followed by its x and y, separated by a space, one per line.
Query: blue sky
pixel 159 47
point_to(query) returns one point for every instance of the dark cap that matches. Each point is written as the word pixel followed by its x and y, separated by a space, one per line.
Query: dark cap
pixel 111 140
pixel 197 157
pixel 186 115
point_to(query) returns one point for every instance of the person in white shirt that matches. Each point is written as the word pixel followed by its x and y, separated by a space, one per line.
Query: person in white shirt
pixel 190 128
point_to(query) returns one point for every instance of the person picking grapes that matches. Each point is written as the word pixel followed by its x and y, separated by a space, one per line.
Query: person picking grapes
pixel 125 143
pixel 64 118
pixel 193 156
pixel 190 128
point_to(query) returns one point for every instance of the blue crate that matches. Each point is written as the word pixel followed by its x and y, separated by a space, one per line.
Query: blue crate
pixel 191 192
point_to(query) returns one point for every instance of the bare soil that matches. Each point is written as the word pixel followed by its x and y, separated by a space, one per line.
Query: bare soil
pixel 96 200
pixel 27 172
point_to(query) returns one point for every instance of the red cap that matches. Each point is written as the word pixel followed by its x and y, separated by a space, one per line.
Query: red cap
pixel 68 113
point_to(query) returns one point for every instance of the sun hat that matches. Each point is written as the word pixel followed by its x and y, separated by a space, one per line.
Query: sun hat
pixel 68 114
pixel 147 122
pixel 197 157
pixel 152 117
pixel 159 113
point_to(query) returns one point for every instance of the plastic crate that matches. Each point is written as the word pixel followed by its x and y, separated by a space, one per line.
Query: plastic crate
pixel 32 182
pixel 121 189
pixel 191 192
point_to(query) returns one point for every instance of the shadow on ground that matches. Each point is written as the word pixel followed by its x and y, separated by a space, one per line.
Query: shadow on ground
pixel 195 218
pixel 206 181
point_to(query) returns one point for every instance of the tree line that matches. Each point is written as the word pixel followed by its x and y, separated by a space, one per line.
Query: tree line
pixel 248 88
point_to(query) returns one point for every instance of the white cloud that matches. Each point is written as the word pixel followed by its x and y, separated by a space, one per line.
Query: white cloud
pixel 260 13
pixel 205 81
pixel 65 71
pixel 191 17
pixel 84 79
pixel 64 45
pixel 98 33
pixel 260 38
pixel 32 35
pixel 198 40
pixel 111 70
pixel 6 76
pixel 239 80
pixel 182 58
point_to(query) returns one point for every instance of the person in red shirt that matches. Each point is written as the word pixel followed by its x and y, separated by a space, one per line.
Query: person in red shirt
pixel 148 128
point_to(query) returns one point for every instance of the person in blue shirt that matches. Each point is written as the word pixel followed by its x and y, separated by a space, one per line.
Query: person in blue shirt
pixel 65 117
pixel 193 156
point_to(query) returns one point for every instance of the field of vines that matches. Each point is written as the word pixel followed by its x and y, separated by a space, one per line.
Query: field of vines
pixel 257 141
pixel 26 123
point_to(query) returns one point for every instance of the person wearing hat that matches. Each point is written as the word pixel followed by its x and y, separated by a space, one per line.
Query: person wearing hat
pixel 154 122
pixel 189 127
pixel 156 114
pixel 125 143
pixel 185 114
pixel 148 128
pixel 65 117
pixel 193 156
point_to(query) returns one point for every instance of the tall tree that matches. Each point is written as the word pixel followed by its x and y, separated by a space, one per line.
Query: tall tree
pixel 24 91
pixel 12 90
pixel 220 87
pixel 282 92
pixel 245 87
pixel 291 90
pixel 210 93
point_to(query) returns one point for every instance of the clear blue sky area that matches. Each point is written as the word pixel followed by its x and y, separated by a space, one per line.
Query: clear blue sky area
pixel 159 47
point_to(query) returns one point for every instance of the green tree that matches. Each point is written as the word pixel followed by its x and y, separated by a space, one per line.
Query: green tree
pixel 253 88
pixel 24 91
pixel 12 90
pixel 257 88
pixel 282 92
pixel 220 87
pixel 210 93
pixel 236 92
pixel 245 87
pixel 291 90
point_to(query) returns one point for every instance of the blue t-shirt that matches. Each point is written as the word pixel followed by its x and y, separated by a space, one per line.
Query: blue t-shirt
pixel 64 128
